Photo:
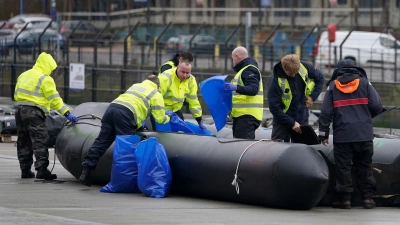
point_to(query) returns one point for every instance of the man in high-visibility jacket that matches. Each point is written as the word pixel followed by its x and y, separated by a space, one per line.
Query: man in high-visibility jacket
pixel 248 97
pixel 178 85
pixel 35 93
pixel 293 88
pixel 123 117
pixel 174 61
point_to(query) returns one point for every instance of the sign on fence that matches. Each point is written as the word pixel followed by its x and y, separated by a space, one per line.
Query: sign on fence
pixel 77 76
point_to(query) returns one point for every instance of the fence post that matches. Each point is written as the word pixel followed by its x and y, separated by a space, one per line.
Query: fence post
pixel 265 42
pixel 194 35
pixel 158 52
pixel 305 39
pixel 13 80
pixel 66 84
pixel 226 44
pixel 15 43
pixel 344 40
pixel 94 85
pixel 70 42
pixel 126 45
pixel 40 39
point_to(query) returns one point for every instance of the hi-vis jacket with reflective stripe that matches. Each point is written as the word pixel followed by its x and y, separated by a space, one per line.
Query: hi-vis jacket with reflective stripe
pixel 246 104
pixel 172 63
pixel 175 92
pixel 297 110
pixel 143 99
pixel 287 92
pixel 36 87
pixel 169 63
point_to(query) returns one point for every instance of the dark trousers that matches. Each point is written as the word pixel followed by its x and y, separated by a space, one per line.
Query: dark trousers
pixel 32 137
pixel 361 155
pixel 281 132
pixel 117 120
pixel 245 126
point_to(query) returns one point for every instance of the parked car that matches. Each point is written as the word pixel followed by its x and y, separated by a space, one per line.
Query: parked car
pixel 5 25
pixel 200 44
pixel 363 47
pixel 85 33
pixel 27 42
pixel 19 21
pixel 7 34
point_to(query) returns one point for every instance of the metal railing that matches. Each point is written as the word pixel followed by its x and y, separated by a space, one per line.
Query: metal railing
pixel 346 16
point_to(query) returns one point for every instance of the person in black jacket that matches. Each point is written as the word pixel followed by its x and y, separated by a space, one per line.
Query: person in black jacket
pixel 293 88
pixel 351 102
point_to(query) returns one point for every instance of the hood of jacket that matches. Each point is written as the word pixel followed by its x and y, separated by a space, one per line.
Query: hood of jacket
pixel 346 72
pixel 245 62
pixel 45 63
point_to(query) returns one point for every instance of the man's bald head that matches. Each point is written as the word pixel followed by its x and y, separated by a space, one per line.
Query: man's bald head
pixel 183 70
pixel 238 54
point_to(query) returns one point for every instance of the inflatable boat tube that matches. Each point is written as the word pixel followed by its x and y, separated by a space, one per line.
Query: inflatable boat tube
pixel 292 176
pixel 385 164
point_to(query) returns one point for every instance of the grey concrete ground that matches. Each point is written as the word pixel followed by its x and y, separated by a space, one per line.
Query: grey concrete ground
pixel 25 201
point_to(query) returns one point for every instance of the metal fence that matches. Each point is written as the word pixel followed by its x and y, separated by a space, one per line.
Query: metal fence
pixel 111 69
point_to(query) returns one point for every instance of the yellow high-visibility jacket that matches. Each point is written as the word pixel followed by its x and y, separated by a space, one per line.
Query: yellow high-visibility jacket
pixel 245 104
pixel 142 99
pixel 175 92
pixel 284 84
pixel 170 63
pixel 36 87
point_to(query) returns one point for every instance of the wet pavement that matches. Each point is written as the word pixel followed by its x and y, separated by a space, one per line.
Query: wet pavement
pixel 29 201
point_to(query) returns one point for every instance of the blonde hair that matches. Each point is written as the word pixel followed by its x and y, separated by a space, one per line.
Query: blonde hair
pixel 291 64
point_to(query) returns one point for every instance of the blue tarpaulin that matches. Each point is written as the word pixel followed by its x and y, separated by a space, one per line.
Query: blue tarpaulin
pixel 178 125
pixel 218 100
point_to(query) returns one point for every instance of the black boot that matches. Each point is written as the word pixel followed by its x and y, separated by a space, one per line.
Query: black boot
pixel 85 177
pixel 27 173
pixel 44 173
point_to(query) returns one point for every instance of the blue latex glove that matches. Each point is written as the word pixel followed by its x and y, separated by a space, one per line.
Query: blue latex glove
pixel 230 87
pixel 169 113
pixel 144 124
pixel 72 118
pixel 201 125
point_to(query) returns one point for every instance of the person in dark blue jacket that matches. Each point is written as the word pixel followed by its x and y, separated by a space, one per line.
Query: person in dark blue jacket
pixel 293 88
pixel 248 95
pixel 350 103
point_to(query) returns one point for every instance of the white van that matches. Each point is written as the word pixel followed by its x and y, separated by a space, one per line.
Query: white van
pixel 363 47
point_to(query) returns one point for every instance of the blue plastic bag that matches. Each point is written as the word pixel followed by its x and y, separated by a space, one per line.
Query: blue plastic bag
pixel 176 124
pixel 154 176
pixel 197 130
pixel 217 99
pixel 124 171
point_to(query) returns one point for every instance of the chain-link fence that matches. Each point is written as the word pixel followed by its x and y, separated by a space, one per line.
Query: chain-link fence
pixel 126 57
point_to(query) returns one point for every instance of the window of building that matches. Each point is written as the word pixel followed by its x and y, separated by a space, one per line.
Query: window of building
pixel 341 2
pixel 288 4
pixel 369 3
pixel 219 3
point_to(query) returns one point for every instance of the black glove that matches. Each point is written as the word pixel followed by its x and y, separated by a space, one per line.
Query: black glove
pixel 322 138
